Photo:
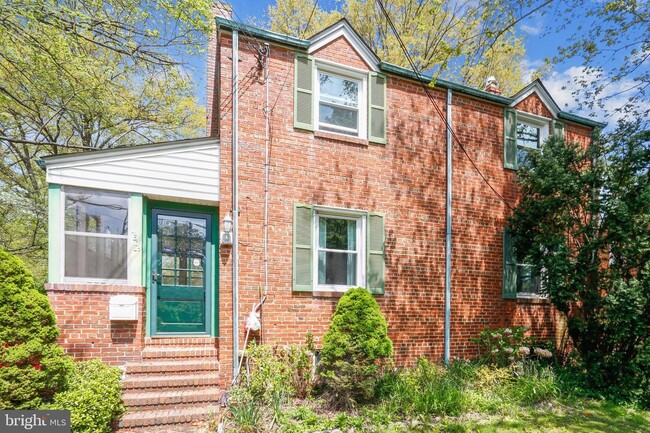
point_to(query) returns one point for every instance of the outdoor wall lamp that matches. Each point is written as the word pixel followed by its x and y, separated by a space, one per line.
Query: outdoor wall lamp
pixel 226 234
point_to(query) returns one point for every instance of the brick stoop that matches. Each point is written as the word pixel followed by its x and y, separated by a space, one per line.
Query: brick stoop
pixel 175 384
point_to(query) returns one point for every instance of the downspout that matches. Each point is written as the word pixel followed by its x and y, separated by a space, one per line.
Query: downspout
pixel 448 235
pixel 235 202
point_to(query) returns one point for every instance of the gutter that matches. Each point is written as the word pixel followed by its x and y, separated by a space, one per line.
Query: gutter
pixel 235 203
pixel 448 234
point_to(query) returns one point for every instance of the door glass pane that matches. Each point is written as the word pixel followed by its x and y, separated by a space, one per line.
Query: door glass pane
pixel 181 246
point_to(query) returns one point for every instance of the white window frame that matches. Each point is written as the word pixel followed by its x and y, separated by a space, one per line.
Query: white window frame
pixel 129 240
pixel 361 217
pixel 540 122
pixel 349 73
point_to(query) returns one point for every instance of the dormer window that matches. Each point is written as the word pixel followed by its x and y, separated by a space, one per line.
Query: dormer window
pixel 338 103
pixel 343 100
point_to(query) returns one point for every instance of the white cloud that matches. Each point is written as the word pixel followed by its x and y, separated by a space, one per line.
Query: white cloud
pixel 534 30
pixel 563 85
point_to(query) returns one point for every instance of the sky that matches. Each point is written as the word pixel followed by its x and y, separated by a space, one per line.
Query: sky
pixel 539 45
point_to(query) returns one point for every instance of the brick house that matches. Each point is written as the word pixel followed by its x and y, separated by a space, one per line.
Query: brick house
pixel 341 182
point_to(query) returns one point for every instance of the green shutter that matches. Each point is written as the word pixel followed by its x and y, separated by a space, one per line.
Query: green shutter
pixel 558 129
pixel 376 257
pixel 509 268
pixel 302 247
pixel 303 92
pixel 510 138
pixel 377 108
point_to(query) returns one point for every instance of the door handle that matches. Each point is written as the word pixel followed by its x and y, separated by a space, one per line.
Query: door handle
pixel 155 278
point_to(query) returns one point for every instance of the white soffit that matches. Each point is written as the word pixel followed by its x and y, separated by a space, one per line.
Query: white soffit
pixel 538 88
pixel 187 169
pixel 343 28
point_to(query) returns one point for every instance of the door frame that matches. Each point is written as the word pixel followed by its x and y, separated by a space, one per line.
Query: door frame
pixel 212 267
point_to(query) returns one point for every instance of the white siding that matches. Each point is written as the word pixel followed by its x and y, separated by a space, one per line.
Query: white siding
pixel 187 170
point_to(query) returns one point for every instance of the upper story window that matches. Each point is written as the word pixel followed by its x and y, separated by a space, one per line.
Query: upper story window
pixel 339 99
pixel 528 137
pixel 95 234
pixel 523 133
pixel 338 103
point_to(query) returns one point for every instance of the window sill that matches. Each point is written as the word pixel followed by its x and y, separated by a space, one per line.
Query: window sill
pixel 340 138
pixel 533 299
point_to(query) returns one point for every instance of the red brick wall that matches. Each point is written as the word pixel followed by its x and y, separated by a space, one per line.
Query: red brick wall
pixel 340 51
pixel 533 104
pixel 86 331
pixel 404 179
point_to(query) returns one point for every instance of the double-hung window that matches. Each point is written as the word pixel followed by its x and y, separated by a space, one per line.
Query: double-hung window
pixel 525 133
pixel 519 278
pixel 95 234
pixel 336 98
pixel 338 103
pixel 335 249
pixel 340 250
pixel 528 137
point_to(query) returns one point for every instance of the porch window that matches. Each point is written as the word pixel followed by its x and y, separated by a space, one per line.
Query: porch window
pixel 95 234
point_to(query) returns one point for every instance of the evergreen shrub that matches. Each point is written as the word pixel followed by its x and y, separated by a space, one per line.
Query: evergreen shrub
pixel 32 366
pixel 354 349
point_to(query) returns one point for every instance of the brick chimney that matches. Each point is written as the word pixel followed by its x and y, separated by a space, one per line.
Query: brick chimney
pixel 492 86
pixel 223 10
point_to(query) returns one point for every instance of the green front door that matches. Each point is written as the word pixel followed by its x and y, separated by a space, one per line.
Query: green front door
pixel 180 280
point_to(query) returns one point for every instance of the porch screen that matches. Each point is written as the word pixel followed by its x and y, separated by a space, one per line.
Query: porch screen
pixel 95 234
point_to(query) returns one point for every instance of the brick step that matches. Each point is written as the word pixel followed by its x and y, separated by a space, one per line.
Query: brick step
pixel 139 400
pixel 170 381
pixel 171 366
pixel 181 415
pixel 180 341
pixel 174 352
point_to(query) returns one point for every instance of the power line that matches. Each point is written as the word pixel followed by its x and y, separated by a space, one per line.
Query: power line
pixel 302 35
pixel 435 105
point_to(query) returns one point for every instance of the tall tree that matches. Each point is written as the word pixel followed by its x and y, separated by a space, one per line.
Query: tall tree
pixel 81 75
pixel 461 40
pixel 583 223
pixel 612 44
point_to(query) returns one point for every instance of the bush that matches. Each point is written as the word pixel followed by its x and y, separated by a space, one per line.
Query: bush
pixel 32 366
pixel 353 349
pixel 93 397
pixel 507 346
pixel 280 372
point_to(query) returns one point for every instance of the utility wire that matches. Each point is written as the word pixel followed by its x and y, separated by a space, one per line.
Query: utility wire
pixel 435 105
pixel 302 35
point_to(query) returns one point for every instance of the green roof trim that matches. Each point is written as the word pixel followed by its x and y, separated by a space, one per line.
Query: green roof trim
pixel 398 70
pixel 303 45
pixel 264 34
pixel 578 119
